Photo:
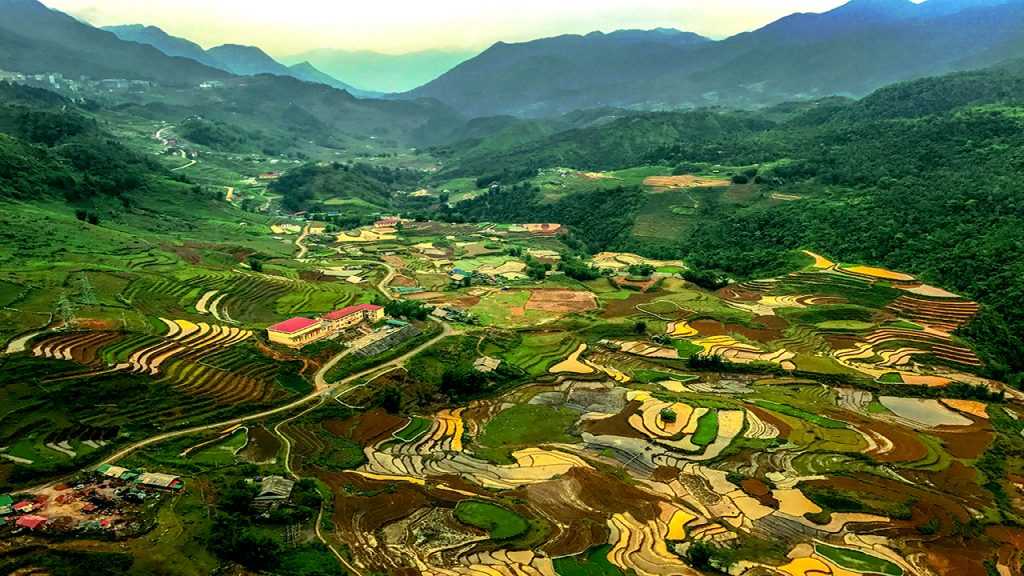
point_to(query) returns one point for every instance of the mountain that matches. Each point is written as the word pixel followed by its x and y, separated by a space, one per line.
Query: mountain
pixel 247 60
pixel 309 73
pixel 384 73
pixel 233 58
pixel 164 42
pixel 851 50
pixel 36 39
pixel 557 75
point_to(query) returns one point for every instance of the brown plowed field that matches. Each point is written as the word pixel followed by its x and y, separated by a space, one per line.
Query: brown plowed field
pixel 558 501
pixel 966 441
pixel 617 425
pixel 771 328
pixel 685 181
pixel 366 428
pixel 561 301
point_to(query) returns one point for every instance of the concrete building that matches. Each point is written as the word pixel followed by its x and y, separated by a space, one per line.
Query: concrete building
pixel 296 332
pixel 299 332
pixel 352 316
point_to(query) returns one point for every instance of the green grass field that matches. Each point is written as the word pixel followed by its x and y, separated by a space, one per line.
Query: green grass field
pixel 858 561
pixel 501 523
pixel 707 429
pixel 592 563
pixel 521 426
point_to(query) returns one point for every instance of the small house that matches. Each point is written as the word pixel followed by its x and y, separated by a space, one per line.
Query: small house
pixel 31 522
pixel 161 481
pixel 486 364
pixel 25 506
pixel 273 491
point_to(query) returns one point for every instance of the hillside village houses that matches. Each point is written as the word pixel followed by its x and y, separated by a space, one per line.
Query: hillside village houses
pixel 299 332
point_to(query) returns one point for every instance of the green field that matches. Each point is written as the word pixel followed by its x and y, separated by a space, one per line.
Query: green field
pixel 858 561
pixel 592 563
pixel 524 425
pixel 501 523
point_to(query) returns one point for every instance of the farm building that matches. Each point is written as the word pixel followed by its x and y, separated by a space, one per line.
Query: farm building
pixel 162 481
pixel 269 176
pixel 296 332
pixel 117 472
pixel 31 522
pixel 6 504
pixel 25 506
pixel 273 491
pixel 486 364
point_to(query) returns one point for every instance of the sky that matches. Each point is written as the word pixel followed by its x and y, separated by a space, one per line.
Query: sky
pixel 286 27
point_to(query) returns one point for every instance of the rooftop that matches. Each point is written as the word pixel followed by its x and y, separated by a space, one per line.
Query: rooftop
pixel 293 325
pixel 350 310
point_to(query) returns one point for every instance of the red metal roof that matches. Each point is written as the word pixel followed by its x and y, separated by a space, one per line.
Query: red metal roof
pixel 350 310
pixel 293 325
pixel 31 522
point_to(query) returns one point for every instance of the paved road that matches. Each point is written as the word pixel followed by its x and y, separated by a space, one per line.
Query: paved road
pixel 318 394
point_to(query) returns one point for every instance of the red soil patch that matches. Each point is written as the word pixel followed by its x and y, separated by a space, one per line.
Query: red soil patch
pixel 841 342
pixel 966 441
pixel 737 293
pixel 641 285
pixel 627 307
pixel 97 325
pixel 906 446
pixel 466 301
pixel 611 495
pixel 583 528
pixel 404 281
pixel 561 301
pixel 617 425
pixel 394 261
pixel 757 489
pixel 366 428
pixel 767 328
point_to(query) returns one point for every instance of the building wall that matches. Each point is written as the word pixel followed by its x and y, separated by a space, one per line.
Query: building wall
pixel 300 338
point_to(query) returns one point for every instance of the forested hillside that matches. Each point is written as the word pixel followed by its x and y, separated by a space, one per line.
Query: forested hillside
pixel 922 176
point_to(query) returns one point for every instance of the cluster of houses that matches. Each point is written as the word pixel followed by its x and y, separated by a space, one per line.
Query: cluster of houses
pixel 300 332
pixel 106 501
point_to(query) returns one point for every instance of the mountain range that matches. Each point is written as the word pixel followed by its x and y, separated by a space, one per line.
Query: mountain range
pixel 383 72
pixel 851 50
pixel 234 58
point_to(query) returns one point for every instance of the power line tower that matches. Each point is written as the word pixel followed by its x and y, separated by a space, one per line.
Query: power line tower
pixel 66 311
pixel 86 295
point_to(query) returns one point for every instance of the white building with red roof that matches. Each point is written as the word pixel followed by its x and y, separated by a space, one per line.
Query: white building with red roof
pixel 298 332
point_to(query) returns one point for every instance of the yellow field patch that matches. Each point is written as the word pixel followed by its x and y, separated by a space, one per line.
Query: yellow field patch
pixel 681 330
pixel 572 364
pixel 979 409
pixel 390 478
pixel 820 261
pixel 881 273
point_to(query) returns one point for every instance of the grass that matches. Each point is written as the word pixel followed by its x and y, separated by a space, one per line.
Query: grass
pixel 413 430
pixel 858 561
pixel 524 425
pixel 501 523
pixel 891 378
pixel 845 325
pixel 801 414
pixel 594 562
pixel 222 453
pixel 707 429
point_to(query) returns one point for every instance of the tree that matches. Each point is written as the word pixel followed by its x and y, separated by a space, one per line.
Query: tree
pixel 641 270
pixel 700 554
pixel 255 264
pixel 94 219
pixel 640 327
pixel 391 400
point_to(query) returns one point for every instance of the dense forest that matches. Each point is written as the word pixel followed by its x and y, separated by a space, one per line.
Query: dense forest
pixel 922 176
pixel 316 186
pixel 50 149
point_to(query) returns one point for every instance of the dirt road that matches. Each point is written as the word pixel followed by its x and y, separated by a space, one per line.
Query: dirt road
pixel 303 249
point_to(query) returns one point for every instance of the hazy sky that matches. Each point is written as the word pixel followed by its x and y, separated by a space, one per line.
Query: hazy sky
pixel 285 27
